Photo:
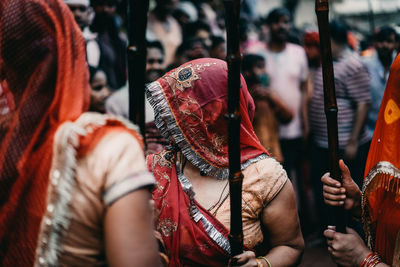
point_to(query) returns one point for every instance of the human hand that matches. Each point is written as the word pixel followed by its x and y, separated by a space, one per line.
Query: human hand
pixel 346 249
pixel 348 194
pixel 350 152
pixel 246 259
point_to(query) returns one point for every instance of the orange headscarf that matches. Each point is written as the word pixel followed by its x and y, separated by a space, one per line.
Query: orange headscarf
pixel 42 59
pixel 381 190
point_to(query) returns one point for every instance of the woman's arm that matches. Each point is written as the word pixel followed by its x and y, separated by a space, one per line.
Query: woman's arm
pixel 129 236
pixel 282 224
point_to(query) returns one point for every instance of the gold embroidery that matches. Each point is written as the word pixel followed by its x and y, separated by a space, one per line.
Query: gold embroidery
pixel 191 116
pixel 383 175
pixel 162 184
pixel 164 159
pixel 167 227
pixel 183 77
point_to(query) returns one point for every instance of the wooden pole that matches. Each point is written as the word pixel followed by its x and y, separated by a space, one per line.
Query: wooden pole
pixel 232 8
pixel 331 110
pixel 137 23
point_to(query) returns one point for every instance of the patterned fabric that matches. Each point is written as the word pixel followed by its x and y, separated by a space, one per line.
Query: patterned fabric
pixel 352 86
pixel 190 233
pixel 190 104
pixel 381 189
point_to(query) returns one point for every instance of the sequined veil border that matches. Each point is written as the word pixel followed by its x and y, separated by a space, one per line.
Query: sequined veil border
pixel 167 125
pixel 197 216
pixel 62 183
pixel 390 172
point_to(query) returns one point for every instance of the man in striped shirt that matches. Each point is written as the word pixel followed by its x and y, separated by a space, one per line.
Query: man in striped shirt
pixel 352 84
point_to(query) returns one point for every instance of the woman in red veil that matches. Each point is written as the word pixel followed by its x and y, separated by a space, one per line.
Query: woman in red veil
pixel 68 179
pixel 192 195
pixel 378 203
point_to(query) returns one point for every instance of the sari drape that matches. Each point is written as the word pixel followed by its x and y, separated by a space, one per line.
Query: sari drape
pixel 381 189
pixel 191 235
pixel 190 104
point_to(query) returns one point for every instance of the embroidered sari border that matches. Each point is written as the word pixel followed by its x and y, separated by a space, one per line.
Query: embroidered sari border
pixel 382 167
pixel 197 216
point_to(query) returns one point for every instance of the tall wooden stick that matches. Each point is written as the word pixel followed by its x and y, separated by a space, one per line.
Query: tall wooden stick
pixel 137 23
pixel 322 11
pixel 232 8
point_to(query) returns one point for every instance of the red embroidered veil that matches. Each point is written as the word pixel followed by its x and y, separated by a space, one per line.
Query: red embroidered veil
pixel 190 104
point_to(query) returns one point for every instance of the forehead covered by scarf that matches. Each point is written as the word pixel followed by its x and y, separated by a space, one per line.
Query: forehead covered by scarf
pixel 190 104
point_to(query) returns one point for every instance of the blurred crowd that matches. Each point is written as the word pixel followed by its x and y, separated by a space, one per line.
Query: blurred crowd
pixel 282 67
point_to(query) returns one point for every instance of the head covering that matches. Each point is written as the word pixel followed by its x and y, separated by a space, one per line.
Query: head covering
pixel 78 2
pixel 190 104
pixel 381 188
pixel 311 39
pixel 42 61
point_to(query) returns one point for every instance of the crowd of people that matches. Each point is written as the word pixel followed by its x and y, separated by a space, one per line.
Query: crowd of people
pixel 78 186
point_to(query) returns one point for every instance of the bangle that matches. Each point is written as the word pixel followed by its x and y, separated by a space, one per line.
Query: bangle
pixel 371 260
pixel 259 264
pixel 164 259
pixel 266 260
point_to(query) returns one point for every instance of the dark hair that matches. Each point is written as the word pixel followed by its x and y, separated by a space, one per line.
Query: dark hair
pixel 276 14
pixel 250 60
pixel 155 44
pixel 187 45
pixel 93 71
pixel 338 32
pixel 216 41
pixel 383 33
pixel 193 27
pixel 103 2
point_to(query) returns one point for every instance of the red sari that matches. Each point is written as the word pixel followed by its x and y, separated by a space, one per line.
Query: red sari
pixel 190 103
pixel 381 189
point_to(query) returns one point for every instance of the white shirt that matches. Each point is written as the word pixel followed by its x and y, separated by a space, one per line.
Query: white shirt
pixel 287 70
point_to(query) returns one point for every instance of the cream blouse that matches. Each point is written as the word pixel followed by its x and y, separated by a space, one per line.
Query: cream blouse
pixel 262 182
pixel 81 190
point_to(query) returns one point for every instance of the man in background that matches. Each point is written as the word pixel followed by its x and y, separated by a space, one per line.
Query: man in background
pixel 118 103
pixel 270 109
pixel 352 84
pixel 82 12
pixel 378 64
pixel 286 65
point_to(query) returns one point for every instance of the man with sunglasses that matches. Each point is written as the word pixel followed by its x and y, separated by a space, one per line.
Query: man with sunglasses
pixel 82 13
